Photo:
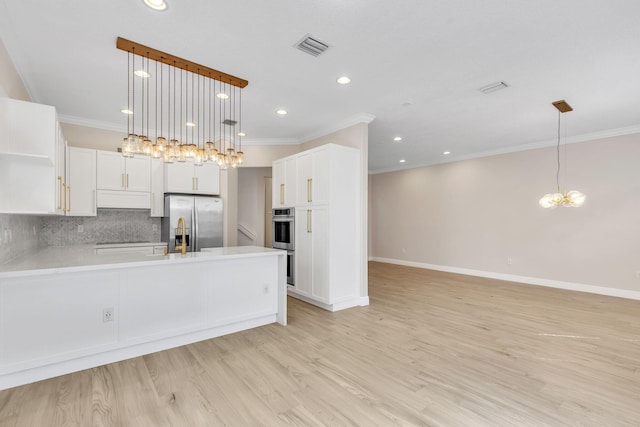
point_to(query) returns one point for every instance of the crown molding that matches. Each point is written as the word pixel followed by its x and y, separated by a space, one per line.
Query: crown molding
pixel 629 130
pixel 354 120
pixel 270 141
pixel 97 124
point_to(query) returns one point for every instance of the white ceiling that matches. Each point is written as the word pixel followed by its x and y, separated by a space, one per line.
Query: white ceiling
pixel 416 65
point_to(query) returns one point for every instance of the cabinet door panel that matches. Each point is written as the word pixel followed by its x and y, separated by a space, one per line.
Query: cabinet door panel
pixel 304 179
pixel 290 182
pixel 81 179
pixel 138 173
pixel 320 249
pixel 277 194
pixel 110 171
pixel 303 251
pixel 157 188
pixel 319 186
pixel 179 178
pixel 207 179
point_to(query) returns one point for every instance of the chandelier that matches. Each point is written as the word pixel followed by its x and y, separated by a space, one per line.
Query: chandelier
pixel 182 110
pixel 572 198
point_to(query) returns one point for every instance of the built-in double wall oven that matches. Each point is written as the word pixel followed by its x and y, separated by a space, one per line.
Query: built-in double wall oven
pixel 283 237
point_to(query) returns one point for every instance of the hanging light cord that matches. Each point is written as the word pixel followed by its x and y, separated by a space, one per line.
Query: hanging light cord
pixel 558 155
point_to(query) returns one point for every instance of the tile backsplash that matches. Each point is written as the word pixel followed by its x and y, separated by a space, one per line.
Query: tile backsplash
pixel 20 234
pixel 109 226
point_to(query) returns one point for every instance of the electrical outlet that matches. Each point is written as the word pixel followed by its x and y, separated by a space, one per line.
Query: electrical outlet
pixel 155 227
pixel 509 260
pixel 80 228
pixel 107 314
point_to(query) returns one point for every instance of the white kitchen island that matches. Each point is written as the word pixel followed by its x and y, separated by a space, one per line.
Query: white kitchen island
pixel 67 309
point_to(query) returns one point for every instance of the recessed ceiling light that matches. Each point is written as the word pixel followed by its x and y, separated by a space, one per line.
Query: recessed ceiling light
pixel 446 153
pixel 281 112
pixel 142 73
pixel 344 80
pixel 222 95
pixel 156 4
pixel 242 134
pixel 190 124
pixel 126 111
pixel 397 139
pixel 402 160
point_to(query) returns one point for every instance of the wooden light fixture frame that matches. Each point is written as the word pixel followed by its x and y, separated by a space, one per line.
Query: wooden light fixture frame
pixel 166 58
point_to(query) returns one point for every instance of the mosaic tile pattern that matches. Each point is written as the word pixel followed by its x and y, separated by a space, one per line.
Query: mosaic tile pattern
pixel 18 235
pixel 109 226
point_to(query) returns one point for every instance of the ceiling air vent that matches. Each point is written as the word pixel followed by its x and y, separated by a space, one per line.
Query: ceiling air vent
pixel 493 87
pixel 311 45
pixel 230 122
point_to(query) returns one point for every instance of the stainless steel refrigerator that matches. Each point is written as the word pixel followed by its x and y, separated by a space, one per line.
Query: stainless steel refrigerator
pixel 203 219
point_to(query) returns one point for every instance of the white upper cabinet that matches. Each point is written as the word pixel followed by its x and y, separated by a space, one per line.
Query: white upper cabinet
pixel 116 172
pixel 312 180
pixel 80 198
pixel 185 177
pixel 284 182
pixel 31 158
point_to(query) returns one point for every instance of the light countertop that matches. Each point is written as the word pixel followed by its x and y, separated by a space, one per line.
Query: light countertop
pixel 62 259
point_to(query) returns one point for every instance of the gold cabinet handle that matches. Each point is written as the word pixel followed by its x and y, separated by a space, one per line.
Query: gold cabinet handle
pixel 308 221
pixel 127 180
pixel 64 206
pixel 309 197
pixel 69 208
pixel 197 184
pixel 59 192
pixel 282 194
pixel 122 180
pixel 193 185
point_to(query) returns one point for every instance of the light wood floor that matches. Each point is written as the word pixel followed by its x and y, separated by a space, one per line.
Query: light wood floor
pixel 432 349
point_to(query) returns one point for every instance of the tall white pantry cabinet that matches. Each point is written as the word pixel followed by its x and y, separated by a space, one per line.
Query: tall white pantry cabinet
pixel 324 186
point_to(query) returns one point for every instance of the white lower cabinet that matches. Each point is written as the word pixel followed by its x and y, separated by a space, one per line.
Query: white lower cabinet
pixel 80 195
pixel 312 253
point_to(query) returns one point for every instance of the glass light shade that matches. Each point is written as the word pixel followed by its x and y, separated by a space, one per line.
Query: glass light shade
pixel 161 142
pixel 197 158
pixel 182 153
pixel 155 151
pixel 221 159
pixel 546 201
pixel 575 198
pixel 240 155
pixel 126 148
pixel 167 157
pixel 147 146
pixel 557 198
pixel 234 161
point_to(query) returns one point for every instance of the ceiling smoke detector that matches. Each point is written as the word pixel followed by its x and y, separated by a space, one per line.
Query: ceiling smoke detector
pixel 311 45
pixel 493 87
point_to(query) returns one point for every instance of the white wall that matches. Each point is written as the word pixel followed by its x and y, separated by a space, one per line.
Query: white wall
pixel 475 214
pixel 11 84
pixel 251 199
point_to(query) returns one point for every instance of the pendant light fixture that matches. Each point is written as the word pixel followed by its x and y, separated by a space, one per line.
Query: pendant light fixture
pixel 200 111
pixel 571 198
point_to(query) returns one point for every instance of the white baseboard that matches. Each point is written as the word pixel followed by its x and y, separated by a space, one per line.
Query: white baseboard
pixel 337 306
pixel 580 287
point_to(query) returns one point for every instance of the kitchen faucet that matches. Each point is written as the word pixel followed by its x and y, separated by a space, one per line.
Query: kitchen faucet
pixel 182 229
